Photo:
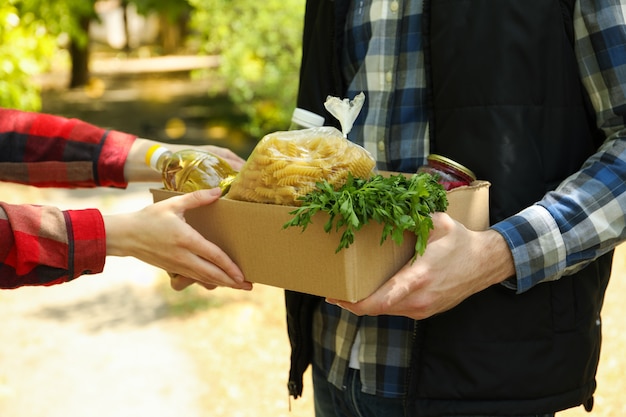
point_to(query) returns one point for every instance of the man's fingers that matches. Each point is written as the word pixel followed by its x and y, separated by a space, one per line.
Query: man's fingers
pixel 179 282
pixel 208 259
pixel 390 299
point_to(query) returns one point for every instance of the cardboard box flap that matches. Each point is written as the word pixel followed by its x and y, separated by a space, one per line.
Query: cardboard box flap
pixel 470 205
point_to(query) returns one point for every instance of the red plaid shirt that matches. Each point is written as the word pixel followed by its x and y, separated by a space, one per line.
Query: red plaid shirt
pixel 42 245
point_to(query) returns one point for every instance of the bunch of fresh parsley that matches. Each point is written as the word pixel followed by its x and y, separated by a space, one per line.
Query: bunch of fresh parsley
pixel 400 203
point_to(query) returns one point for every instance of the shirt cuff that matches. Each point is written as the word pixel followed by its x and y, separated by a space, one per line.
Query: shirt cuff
pixel 115 148
pixel 87 242
pixel 537 246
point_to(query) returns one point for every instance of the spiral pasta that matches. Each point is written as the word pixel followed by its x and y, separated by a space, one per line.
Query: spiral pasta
pixel 286 165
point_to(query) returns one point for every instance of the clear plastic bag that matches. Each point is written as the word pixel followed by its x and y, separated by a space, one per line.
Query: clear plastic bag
pixel 286 165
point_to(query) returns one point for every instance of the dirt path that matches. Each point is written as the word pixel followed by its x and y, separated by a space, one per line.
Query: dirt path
pixel 92 350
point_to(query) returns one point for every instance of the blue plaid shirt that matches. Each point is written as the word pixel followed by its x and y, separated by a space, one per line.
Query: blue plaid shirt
pixel 579 221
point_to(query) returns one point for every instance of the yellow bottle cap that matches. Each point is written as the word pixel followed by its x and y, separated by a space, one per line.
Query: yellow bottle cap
pixel 153 154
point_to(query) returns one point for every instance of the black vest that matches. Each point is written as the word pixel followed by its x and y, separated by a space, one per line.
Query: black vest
pixel 507 101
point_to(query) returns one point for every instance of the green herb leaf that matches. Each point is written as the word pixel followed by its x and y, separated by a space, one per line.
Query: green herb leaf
pixel 400 203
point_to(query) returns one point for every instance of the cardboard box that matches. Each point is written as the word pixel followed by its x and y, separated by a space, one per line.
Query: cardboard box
pixel 252 235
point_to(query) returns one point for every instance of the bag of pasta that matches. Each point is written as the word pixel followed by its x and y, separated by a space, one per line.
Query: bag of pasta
pixel 286 165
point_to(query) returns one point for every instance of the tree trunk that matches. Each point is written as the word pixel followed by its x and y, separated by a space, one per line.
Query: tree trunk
pixel 172 33
pixel 124 5
pixel 80 58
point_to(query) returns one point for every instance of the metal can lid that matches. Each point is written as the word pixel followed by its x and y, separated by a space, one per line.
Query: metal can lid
pixel 455 165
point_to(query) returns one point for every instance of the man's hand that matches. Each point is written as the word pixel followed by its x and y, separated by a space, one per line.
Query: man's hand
pixel 457 263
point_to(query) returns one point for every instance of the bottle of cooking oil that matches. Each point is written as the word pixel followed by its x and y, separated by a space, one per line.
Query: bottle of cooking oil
pixel 190 169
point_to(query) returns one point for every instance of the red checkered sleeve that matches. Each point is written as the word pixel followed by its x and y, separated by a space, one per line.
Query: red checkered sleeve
pixel 50 151
pixel 43 245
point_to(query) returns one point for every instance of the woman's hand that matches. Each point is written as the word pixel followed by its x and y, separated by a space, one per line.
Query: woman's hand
pixel 226 154
pixel 160 236
pixel 136 169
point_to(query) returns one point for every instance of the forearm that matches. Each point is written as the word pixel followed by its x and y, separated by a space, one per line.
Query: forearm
pixel 50 151
pixel 135 167
pixel 495 258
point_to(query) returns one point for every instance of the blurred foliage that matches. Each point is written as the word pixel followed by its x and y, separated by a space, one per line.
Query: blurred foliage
pixel 29 34
pixel 61 16
pixel 25 48
pixel 173 18
pixel 259 44
pixel 173 9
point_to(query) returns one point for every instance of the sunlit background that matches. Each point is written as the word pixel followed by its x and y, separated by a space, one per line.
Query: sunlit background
pixel 199 71
pixel 122 343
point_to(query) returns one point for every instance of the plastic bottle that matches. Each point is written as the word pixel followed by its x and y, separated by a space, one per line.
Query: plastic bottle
pixel 190 169
pixel 304 119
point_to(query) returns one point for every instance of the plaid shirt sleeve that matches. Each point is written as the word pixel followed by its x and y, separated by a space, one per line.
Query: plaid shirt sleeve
pixel 50 151
pixel 45 246
pixel 585 216
pixel 42 245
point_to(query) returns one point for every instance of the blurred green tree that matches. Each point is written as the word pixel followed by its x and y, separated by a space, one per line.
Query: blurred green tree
pixel 29 37
pixel 25 49
pixel 29 33
pixel 259 45
pixel 72 18
pixel 173 20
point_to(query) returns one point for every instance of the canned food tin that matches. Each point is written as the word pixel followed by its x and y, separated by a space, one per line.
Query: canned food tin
pixel 449 173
